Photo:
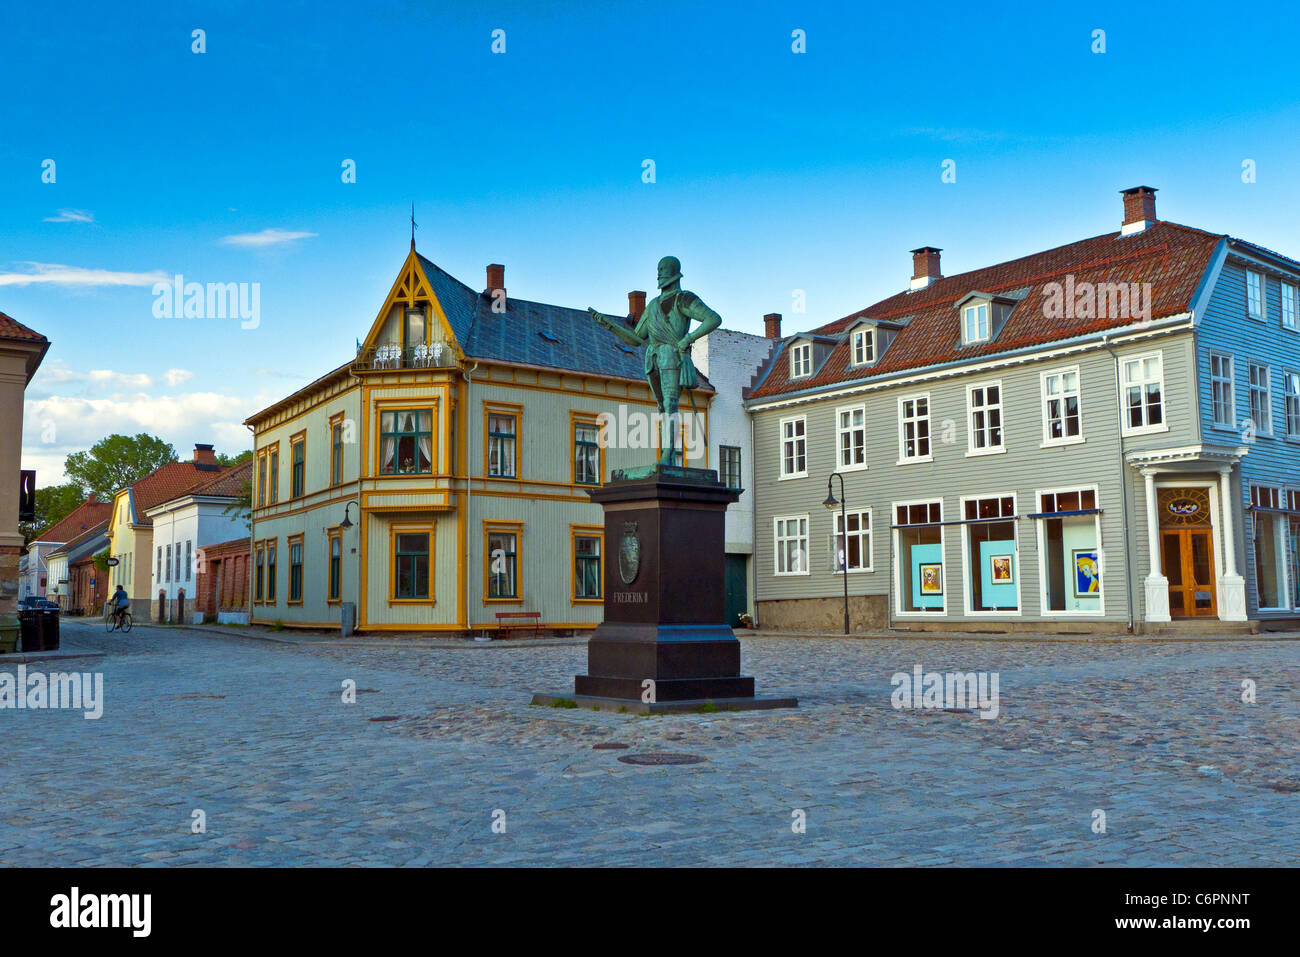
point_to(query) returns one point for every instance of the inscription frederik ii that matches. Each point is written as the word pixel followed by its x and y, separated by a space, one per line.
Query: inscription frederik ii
pixel 630 597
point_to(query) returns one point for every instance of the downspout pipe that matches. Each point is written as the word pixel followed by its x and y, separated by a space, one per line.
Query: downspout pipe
pixel 469 490
pixel 1123 487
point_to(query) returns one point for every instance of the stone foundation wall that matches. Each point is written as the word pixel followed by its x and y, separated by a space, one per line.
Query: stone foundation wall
pixel 867 613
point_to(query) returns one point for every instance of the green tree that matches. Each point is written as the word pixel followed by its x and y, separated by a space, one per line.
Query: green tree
pixel 241 507
pixel 117 461
pixel 225 460
pixel 54 503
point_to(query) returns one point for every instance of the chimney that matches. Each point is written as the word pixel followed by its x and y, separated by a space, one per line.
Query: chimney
pixel 772 325
pixel 496 279
pixel 92 498
pixel 635 303
pixel 1139 209
pixel 925 266
pixel 204 457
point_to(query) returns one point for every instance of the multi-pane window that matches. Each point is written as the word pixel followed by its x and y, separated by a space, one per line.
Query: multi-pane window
pixel 919 557
pixel 295 571
pixel 984 404
pixel 1290 300
pixel 261 491
pixel 1143 390
pixel 1269 539
pixel 914 428
pixel 864 347
pixel 794 447
pixel 801 360
pixel 159 577
pixel 1261 398
pixel 406 442
pixel 1254 295
pixel 189 558
pixel 298 468
pixel 856 551
pixel 168 576
pixel 259 574
pixel 1222 394
pixel 586 567
pixel 729 465
pixel 851 437
pixel 270 571
pixel 991 554
pixel 411 565
pixel 503 561
pixel 1062 420
pixel 502 436
pixel 975 322
pixel 1069 553
pixel 336 567
pixel 1291 387
pixel 586 453
pixel 336 453
pixel 790 537
pixel 273 479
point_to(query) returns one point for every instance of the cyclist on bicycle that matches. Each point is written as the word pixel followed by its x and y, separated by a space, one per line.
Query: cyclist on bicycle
pixel 120 603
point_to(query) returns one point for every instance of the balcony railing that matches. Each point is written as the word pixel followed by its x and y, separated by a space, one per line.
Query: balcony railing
pixel 436 356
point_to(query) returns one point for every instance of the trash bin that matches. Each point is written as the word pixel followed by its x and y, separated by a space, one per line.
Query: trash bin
pixel 47 626
pixel 29 631
pixel 9 628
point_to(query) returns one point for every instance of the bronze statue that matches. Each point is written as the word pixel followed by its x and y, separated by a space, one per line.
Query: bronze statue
pixel 664 329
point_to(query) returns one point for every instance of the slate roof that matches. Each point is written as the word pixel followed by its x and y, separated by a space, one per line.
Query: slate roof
pixel 82 517
pixel 1171 257
pixel 533 333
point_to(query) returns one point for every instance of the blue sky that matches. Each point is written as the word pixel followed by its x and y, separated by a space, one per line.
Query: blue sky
pixel 775 171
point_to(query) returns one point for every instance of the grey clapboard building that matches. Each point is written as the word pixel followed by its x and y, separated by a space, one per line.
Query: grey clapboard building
pixel 1100 436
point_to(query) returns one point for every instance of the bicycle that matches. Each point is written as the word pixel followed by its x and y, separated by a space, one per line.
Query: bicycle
pixel 114 622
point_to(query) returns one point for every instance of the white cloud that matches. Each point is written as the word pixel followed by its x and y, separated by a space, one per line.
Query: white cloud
pixel 267 237
pixel 177 376
pixel 58 275
pixel 71 216
pixel 56 373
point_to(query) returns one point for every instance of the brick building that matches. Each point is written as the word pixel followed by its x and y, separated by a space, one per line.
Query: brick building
pixel 221 583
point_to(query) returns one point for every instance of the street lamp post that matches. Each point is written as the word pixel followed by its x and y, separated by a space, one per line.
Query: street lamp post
pixel 348 615
pixel 830 503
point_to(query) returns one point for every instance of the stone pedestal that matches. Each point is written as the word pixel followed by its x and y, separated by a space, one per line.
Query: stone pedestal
pixel 664 644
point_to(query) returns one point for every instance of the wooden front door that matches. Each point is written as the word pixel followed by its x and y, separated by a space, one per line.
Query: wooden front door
pixel 1187 559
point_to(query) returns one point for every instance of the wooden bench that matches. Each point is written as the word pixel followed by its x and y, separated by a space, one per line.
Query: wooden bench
pixel 504 628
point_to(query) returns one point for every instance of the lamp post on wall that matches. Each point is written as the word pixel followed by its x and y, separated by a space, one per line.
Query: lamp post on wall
pixel 842 554
pixel 348 610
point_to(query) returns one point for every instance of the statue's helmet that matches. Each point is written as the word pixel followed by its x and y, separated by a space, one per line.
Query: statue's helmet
pixel 670 270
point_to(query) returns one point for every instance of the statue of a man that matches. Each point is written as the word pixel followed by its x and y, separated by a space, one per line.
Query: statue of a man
pixel 664 328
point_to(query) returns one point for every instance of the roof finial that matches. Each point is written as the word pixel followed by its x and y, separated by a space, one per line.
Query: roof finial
pixel 412 227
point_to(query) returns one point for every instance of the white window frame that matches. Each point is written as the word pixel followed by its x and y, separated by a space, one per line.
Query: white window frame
pixel 869 535
pixel 1045 398
pixel 840 431
pixel 1291 403
pixel 801 358
pixel 987 407
pixel 1265 427
pixel 966 593
pixel 1125 428
pixel 1279 545
pixel 1255 283
pixel 866 336
pixel 1289 297
pixel 1230 381
pixel 903 458
pixel 778 539
pixel 973 310
pixel 1043 610
pixel 800 438
pixel 897 560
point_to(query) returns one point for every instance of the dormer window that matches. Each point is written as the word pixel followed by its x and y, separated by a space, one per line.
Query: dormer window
pixel 864 346
pixel 975 323
pixel 801 360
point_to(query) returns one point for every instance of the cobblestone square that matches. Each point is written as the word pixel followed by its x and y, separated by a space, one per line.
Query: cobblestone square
pixel 442 740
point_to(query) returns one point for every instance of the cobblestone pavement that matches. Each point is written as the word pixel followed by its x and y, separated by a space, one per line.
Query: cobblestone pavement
pixel 255 734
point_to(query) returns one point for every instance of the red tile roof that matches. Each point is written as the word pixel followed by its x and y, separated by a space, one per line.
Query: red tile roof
pixel 229 482
pixel 84 516
pixel 90 532
pixel 1171 257
pixel 11 328
pixel 168 482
